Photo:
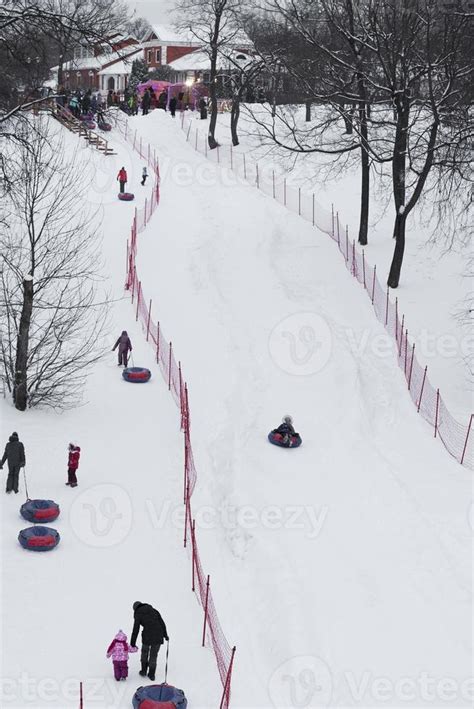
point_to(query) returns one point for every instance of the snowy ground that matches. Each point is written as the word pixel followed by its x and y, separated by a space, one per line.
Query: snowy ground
pixel 435 280
pixel 342 570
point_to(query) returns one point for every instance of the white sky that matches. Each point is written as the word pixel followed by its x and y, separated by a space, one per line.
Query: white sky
pixel 152 10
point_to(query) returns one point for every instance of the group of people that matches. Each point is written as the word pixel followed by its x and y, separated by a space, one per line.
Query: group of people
pixel 154 634
pixel 15 456
pixel 122 178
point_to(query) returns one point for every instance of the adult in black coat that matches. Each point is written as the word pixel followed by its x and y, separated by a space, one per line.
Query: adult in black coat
pixel 153 634
pixel 146 101
pixel 173 106
pixel 15 455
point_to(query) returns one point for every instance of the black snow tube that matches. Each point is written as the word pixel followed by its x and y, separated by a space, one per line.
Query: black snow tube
pixel 40 511
pixel 136 375
pixel 277 440
pixel 159 696
pixel 39 538
pixel 126 196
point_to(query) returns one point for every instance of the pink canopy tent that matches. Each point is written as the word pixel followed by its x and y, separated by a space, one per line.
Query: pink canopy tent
pixel 191 94
pixel 154 85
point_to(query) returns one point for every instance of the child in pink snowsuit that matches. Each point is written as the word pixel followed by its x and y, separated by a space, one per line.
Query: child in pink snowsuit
pixel 118 650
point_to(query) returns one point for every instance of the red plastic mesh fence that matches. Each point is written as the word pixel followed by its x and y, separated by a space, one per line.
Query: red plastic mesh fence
pixel 213 634
pixel 455 436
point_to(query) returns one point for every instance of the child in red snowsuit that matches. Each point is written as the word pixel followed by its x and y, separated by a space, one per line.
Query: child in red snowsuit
pixel 118 650
pixel 73 464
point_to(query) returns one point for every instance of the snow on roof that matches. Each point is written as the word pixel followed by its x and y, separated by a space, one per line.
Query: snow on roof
pixel 169 34
pixel 124 66
pixel 127 55
pixel 199 61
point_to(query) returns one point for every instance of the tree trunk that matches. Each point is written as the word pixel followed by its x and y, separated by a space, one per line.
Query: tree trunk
pixel 20 391
pixel 364 198
pixel 234 119
pixel 213 97
pixel 397 260
pixel 308 110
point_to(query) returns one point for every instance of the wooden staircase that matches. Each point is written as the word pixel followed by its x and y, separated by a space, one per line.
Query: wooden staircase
pixel 75 126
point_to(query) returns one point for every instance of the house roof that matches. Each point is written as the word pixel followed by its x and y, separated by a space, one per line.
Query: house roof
pixel 122 66
pixel 170 35
pixel 199 61
pixel 104 61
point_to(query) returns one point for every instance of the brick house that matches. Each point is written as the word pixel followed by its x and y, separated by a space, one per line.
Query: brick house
pixel 163 45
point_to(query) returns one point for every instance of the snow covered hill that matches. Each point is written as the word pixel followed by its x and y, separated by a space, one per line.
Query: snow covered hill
pixel 341 570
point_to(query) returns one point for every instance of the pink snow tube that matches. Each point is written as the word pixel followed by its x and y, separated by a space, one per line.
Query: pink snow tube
pixel 126 196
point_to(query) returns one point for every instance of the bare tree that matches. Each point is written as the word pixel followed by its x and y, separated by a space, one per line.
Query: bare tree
pixel 52 314
pixel 213 23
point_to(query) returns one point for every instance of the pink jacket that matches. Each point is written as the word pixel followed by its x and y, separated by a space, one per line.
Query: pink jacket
pixel 119 648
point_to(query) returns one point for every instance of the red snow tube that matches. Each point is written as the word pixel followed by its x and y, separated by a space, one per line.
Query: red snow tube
pixel 136 375
pixel 39 538
pixel 277 440
pixel 104 126
pixel 39 510
pixel 126 196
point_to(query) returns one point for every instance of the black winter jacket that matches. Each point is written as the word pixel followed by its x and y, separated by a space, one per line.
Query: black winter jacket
pixel 154 628
pixel 14 453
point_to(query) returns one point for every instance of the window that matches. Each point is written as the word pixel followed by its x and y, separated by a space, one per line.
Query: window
pixel 149 55
pixel 158 55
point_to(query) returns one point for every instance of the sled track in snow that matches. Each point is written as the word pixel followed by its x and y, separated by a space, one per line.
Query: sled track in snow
pixel 455 436
pixel 171 371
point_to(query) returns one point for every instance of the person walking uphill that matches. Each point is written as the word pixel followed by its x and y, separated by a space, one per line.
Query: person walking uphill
pixel 15 455
pixel 118 650
pixel 153 634
pixel 124 347
pixel 122 178
pixel 73 464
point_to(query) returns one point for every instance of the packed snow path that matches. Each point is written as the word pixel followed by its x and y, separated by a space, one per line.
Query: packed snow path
pixel 121 530
pixel 354 549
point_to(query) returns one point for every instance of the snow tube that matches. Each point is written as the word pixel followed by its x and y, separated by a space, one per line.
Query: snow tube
pixel 40 511
pixel 126 196
pixel 277 440
pixel 39 538
pixel 90 125
pixel 159 696
pixel 104 126
pixel 137 375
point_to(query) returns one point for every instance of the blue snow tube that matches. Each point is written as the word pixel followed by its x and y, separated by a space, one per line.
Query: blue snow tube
pixel 277 440
pixel 136 375
pixel 39 538
pixel 159 696
pixel 40 511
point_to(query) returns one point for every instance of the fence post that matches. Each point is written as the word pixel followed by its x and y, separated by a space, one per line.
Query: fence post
pixel 205 612
pixel 226 693
pixel 157 342
pixel 193 545
pixel 186 514
pixel 353 257
pixel 186 459
pixel 411 365
pixel 396 320
pixel 332 220
pixel 148 323
pixel 181 397
pixel 299 201
pixel 373 284
pixel 188 417
pixel 347 243
pixel 133 282
pixel 401 336
pixel 406 352
pixel 386 309
pixel 218 155
pixel 81 696
pixel 467 438
pixel 138 299
pixel 337 224
pixel 169 366
pixel 273 183
pixel 421 390
pixel 189 131
pixel 313 209
pixel 437 413
pixel 258 179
